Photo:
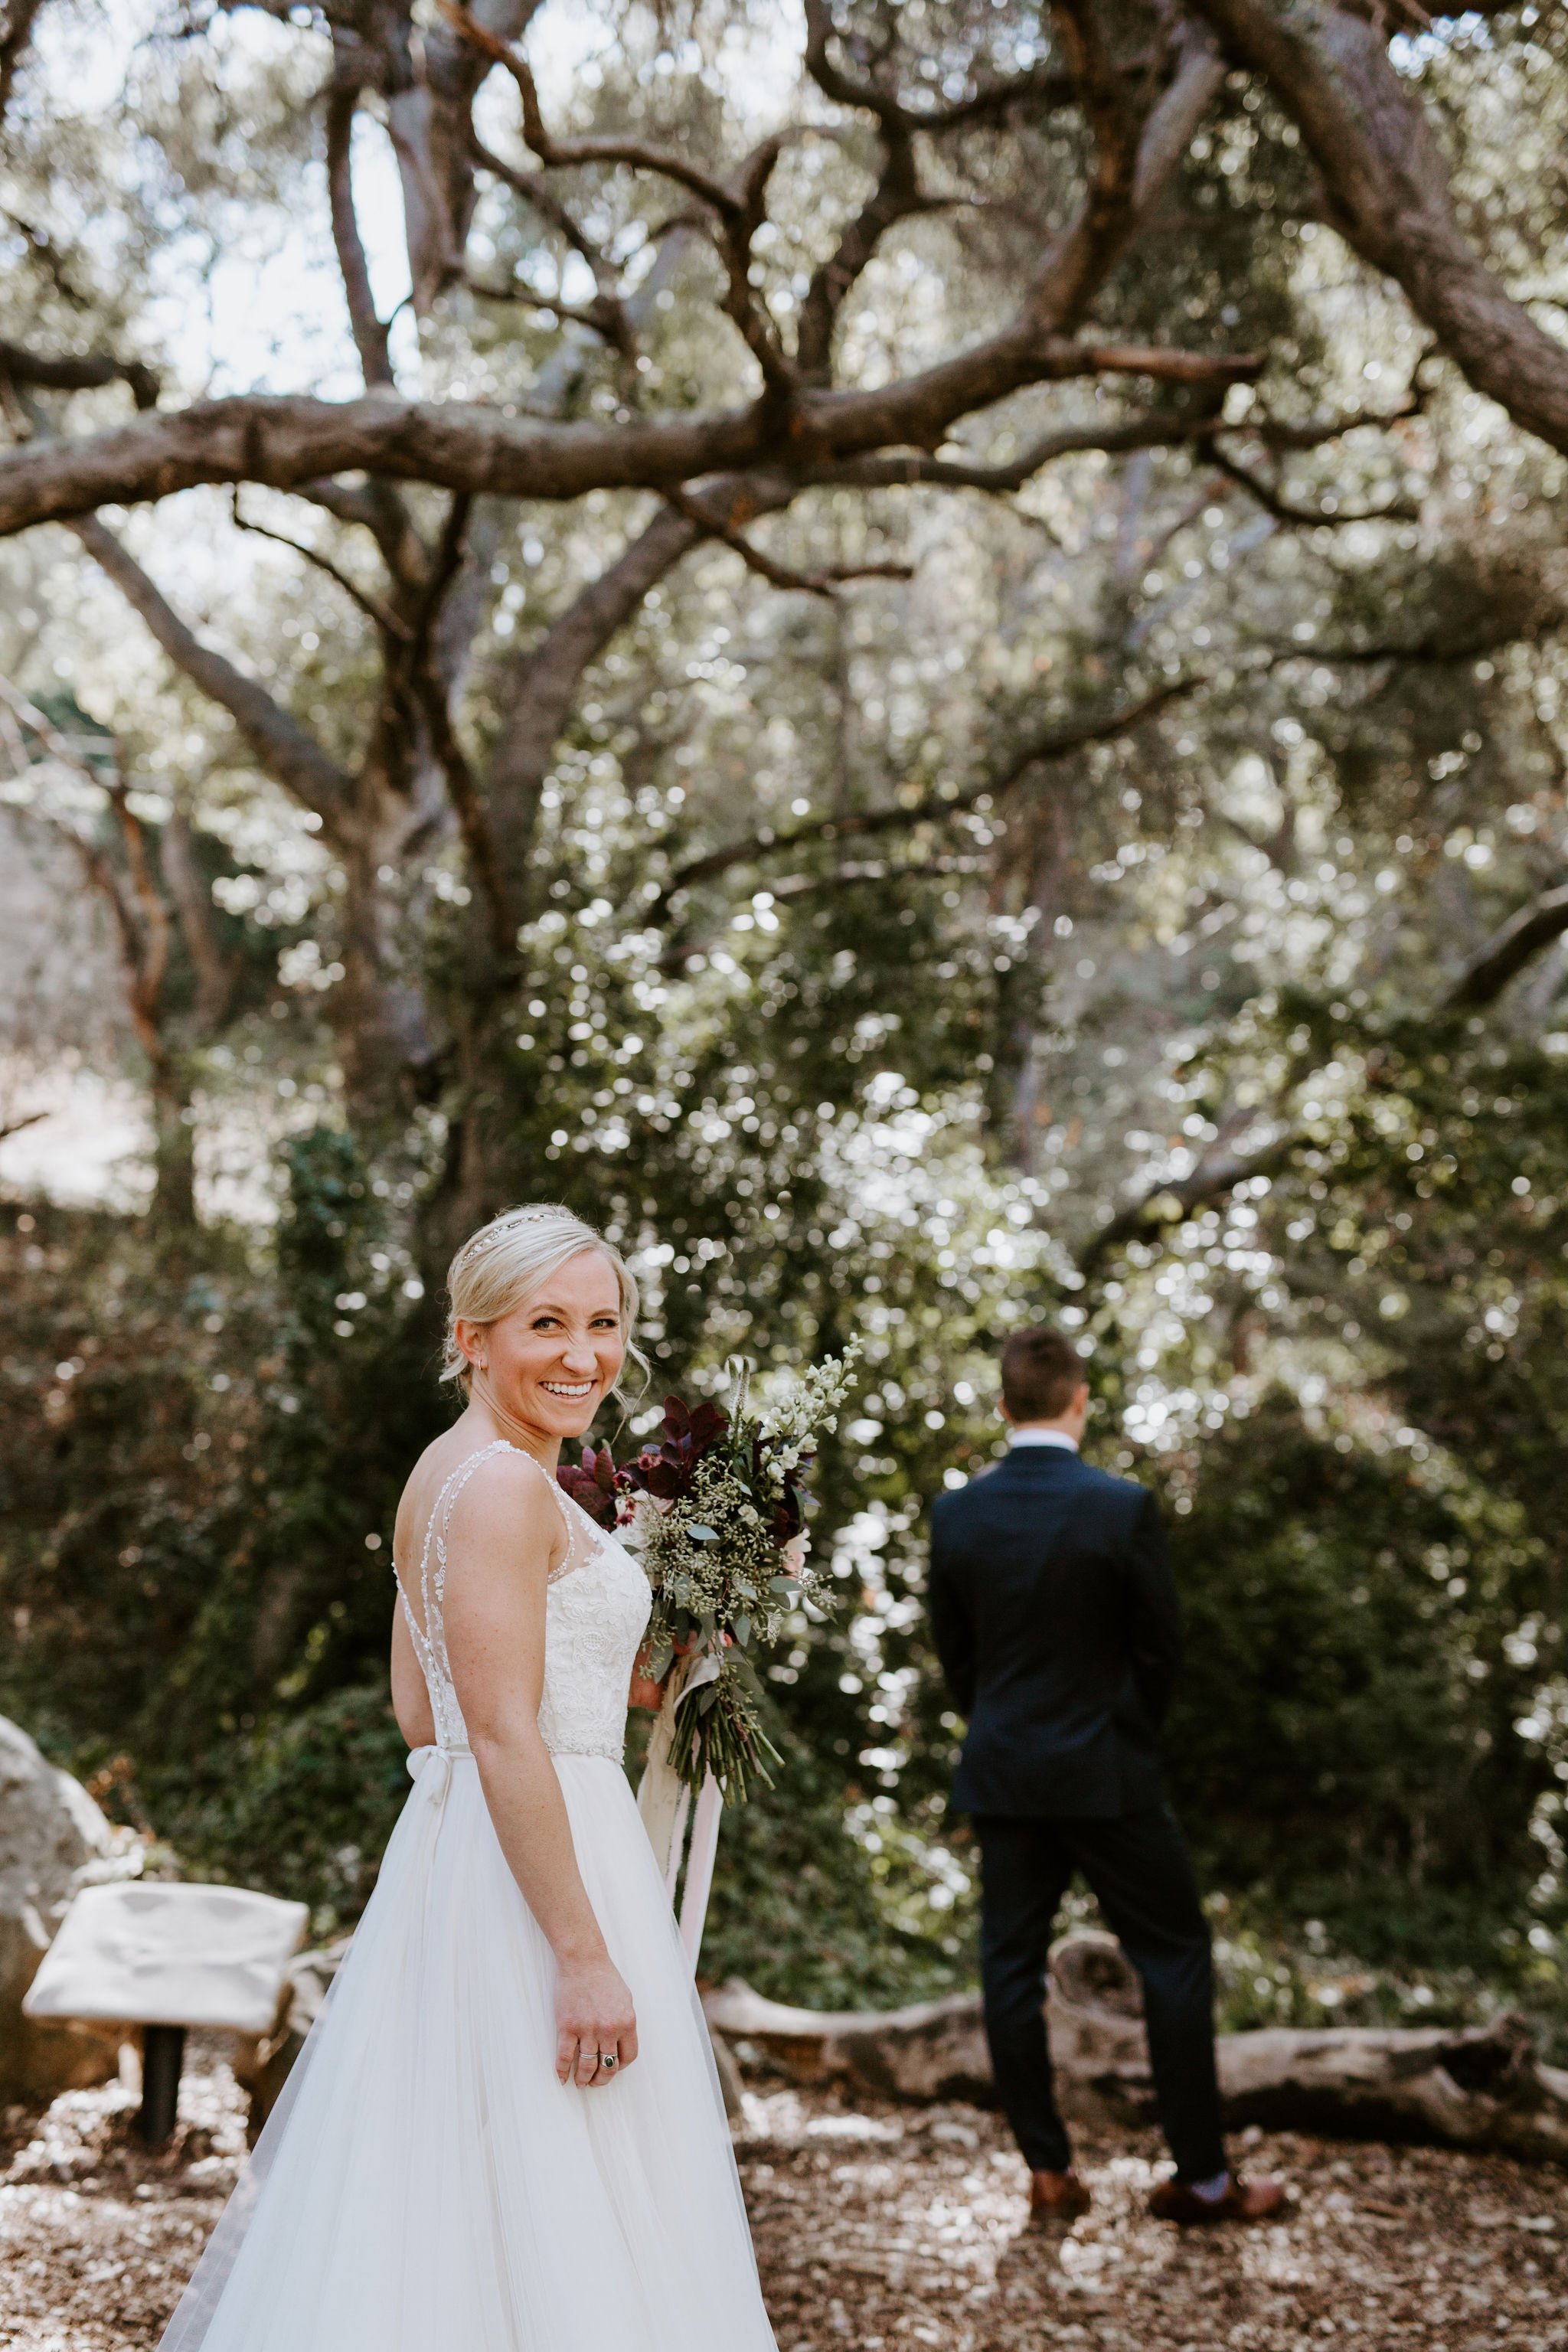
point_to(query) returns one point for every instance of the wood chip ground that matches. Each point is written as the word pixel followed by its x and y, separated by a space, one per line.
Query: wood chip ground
pixel 879 2228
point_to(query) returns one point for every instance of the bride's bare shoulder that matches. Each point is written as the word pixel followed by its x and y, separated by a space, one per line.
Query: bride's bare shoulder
pixel 503 1502
pixel 494 1469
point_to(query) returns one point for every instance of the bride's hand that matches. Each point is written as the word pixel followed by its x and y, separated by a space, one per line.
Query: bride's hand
pixel 593 2017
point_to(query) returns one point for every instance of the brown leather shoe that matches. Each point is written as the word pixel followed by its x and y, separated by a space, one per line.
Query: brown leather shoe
pixel 1244 2200
pixel 1056 2196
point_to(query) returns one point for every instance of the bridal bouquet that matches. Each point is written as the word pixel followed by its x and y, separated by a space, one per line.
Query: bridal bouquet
pixel 716 1513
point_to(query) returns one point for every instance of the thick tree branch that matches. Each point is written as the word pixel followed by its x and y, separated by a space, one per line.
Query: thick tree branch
pixel 1388 192
pixel 1137 149
pixel 449 562
pixel 541 688
pixel 291 441
pixel 369 332
pixel 429 87
pixel 64 373
pixel 153 927
pixel 542 684
pixel 469 805
pixel 1159 430
pixel 896 196
pixel 433 695
pixel 285 750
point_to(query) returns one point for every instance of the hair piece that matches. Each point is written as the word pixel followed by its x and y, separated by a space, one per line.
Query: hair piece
pixel 508 1259
pixel 1042 1371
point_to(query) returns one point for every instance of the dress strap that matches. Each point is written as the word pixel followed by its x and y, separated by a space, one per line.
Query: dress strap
pixel 585 1537
pixel 433 1551
pixel 441 1517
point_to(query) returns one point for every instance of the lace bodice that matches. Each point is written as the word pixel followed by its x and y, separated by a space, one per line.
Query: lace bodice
pixel 595 1615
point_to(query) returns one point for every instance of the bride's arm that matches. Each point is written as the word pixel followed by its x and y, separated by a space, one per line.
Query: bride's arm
pixel 504 1535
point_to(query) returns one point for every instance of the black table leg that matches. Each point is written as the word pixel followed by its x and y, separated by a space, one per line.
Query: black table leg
pixel 162 2055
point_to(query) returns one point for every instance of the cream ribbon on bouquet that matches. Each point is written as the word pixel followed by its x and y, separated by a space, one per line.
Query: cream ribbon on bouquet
pixel 664 1800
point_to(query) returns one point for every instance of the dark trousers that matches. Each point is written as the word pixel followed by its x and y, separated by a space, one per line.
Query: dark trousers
pixel 1138 1869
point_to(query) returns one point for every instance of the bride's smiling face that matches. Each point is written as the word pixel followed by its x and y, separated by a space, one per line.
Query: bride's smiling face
pixel 550 1361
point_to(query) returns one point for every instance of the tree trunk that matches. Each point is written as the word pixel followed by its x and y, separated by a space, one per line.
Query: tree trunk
pixel 173 1208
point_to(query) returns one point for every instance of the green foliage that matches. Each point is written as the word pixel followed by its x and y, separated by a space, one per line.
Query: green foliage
pixel 188 1480
pixel 302 1805
pixel 1341 1742
pixel 801 1912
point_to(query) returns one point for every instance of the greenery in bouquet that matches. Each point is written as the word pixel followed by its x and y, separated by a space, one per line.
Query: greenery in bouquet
pixel 716 1512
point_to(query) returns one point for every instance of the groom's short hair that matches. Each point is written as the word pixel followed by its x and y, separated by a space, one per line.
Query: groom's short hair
pixel 1042 1372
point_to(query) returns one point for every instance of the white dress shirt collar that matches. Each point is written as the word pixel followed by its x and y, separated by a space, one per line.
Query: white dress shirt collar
pixel 1043 1437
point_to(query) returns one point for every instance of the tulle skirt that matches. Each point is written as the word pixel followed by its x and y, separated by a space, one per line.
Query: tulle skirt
pixel 426 2184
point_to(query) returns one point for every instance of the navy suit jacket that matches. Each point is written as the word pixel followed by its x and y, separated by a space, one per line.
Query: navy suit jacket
pixel 1055 1616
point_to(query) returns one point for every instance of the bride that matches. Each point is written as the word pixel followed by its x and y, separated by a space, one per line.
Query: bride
pixel 505 2132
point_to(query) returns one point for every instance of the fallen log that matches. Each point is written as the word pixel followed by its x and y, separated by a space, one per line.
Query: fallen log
pixel 1477 2086
pixel 935 2050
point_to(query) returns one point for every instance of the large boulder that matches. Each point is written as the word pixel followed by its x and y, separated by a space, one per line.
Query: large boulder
pixel 53 1840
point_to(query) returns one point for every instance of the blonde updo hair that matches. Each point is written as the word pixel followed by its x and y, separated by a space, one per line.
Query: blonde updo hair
pixel 507 1260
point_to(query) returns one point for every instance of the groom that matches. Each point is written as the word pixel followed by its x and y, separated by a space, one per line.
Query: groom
pixel 1055 1617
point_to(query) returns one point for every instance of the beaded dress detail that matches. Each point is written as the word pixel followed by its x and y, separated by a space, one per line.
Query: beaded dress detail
pixel 597 1613
pixel 424 2182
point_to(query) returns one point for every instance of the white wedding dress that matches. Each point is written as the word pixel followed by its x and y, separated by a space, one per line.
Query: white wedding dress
pixel 426 2184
